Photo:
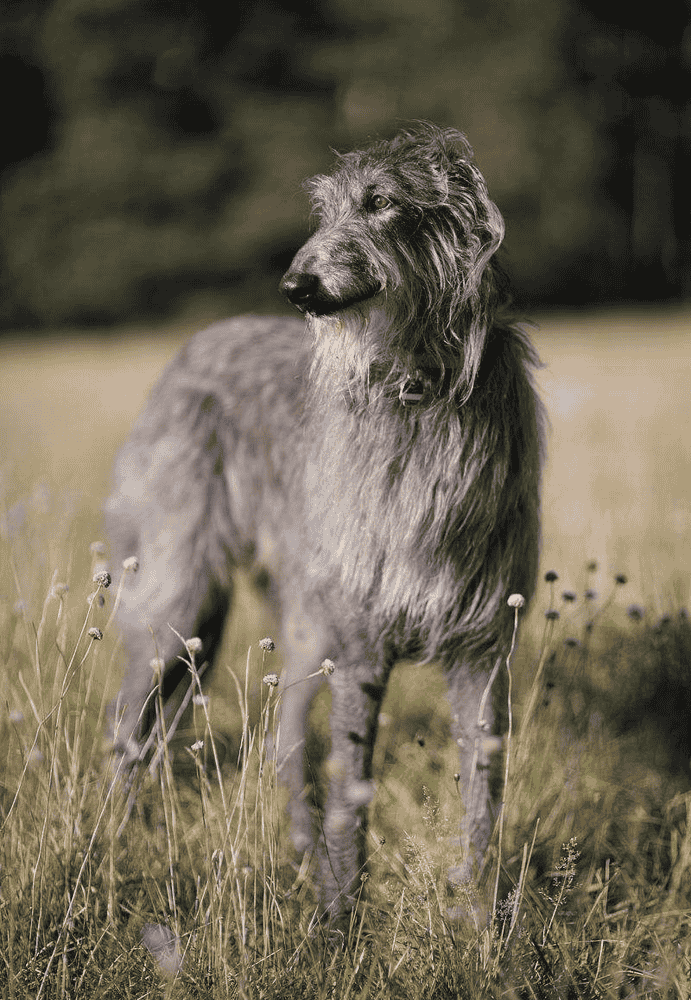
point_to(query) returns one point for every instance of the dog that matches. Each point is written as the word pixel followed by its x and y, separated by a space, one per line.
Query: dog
pixel 378 458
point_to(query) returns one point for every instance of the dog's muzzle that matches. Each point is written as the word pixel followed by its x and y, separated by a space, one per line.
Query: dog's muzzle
pixel 300 289
pixel 307 293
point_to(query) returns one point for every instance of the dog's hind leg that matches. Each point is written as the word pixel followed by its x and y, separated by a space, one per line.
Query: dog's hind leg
pixel 169 510
pixel 150 648
pixel 161 601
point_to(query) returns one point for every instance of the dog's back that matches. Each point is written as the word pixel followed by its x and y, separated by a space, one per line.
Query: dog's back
pixel 215 440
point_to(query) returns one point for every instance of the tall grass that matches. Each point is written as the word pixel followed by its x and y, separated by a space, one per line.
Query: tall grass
pixel 189 887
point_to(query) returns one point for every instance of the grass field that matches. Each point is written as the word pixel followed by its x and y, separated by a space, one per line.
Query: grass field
pixel 197 893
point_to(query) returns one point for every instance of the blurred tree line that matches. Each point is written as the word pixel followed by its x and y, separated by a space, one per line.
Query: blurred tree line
pixel 153 151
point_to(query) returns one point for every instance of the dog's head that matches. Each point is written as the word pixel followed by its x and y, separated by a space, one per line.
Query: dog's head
pixel 405 226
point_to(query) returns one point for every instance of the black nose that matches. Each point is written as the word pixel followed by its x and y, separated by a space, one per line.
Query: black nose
pixel 299 288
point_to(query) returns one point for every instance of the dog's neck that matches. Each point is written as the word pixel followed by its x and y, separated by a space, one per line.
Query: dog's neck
pixel 356 360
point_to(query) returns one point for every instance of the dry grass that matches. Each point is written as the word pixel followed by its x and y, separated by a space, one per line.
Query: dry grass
pixel 197 893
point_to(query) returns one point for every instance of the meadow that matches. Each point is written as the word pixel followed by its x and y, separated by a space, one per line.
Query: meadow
pixel 191 890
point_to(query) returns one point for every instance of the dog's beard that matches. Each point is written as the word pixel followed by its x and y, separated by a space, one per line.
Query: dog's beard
pixel 363 355
pixel 349 348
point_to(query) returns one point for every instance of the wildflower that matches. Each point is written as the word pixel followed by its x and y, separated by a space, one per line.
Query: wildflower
pixel 95 633
pixel 97 548
pixel 200 699
pixel 267 644
pixel 456 777
pixel 551 576
pixel 571 642
pixel 566 867
pixel 158 665
pixel 102 578
pixel 516 601
pixel 194 645
pixel 568 596
pixel 506 906
pixel 635 612
pixel 590 594
pixel 552 615
pixel 592 566
pixel 131 563
pixel 620 579
pixel 271 680
pixel 327 667
pixel 59 590
pixel 199 745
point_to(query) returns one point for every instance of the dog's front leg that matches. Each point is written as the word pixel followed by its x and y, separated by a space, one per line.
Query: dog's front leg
pixel 472 720
pixel 305 643
pixel 290 752
pixel 356 694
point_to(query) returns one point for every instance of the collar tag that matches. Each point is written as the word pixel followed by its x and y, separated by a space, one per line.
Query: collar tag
pixel 412 392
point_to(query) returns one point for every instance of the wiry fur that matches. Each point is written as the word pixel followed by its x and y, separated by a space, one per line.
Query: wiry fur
pixel 381 460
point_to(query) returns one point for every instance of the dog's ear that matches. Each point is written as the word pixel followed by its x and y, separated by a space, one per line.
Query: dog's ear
pixel 480 230
pixel 476 317
pixel 448 147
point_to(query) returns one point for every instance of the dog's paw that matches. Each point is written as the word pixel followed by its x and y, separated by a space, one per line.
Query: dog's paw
pixel 467 905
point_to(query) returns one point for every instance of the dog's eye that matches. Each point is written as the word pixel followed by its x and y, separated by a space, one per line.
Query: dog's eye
pixel 378 202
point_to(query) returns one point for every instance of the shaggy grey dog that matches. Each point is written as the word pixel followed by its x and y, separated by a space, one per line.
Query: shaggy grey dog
pixel 380 459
